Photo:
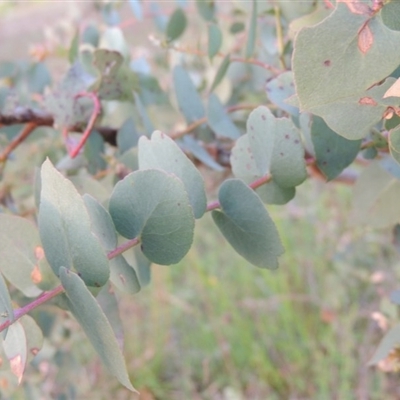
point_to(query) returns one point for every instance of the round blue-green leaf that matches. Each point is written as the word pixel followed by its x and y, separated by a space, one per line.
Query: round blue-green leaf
pixel 161 152
pixel 277 147
pixel 154 206
pixel 246 225
pixel 65 229
pixel 91 317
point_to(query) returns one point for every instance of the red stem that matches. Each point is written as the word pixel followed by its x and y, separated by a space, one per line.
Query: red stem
pixel 89 127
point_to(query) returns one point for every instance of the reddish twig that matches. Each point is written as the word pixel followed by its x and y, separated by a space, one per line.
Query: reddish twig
pixel 26 131
pixel 89 127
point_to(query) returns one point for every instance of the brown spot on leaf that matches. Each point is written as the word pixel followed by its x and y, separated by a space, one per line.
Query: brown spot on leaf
pixel 327 63
pixel 367 101
pixel 263 117
pixel 365 38
pixel 287 136
pixel 36 275
pixel 39 253
pixel 34 350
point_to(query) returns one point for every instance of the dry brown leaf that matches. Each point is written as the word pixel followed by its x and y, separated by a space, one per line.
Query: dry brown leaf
pixel 394 90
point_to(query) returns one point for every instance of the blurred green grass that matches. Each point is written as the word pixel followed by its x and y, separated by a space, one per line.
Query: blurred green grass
pixel 214 327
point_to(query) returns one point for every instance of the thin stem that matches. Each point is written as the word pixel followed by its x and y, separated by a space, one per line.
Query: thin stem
pixel 279 37
pixel 25 132
pixel 201 121
pixel 89 127
pixel 125 246
pixel 46 296
pixel 253 185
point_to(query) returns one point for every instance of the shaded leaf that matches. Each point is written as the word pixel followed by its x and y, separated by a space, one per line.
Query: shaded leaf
pixel 161 152
pixel 246 225
pixel 95 324
pixel 206 9
pixel 127 136
pixel 190 144
pixel 189 100
pixel 333 152
pixel 19 253
pixel 65 229
pixel 391 15
pixel 176 25
pixel 155 207
pixel 219 120
pixel 214 40
pixel 223 68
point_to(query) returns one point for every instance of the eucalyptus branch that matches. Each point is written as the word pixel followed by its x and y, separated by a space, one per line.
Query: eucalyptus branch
pixel 88 130
pixel 201 121
pixel 25 132
pixel 47 296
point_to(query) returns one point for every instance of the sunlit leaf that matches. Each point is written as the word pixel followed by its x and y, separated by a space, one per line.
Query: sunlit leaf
pixel 65 229
pixel 163 153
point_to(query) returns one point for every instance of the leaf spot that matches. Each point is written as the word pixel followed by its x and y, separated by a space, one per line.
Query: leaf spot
pixel 327 63
pixel 367 101
pixel 263 117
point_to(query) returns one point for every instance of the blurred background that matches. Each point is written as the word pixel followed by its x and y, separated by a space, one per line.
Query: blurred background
pixel 213 326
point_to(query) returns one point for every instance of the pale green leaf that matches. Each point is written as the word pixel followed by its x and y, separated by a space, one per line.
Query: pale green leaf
pixel 15 349
pixel 95 324
pixel 155 207
pixel 221 72
pixel 246 225
pixel 189 100
pixel 244 167
pixel 161 152
pixel 333 152
pixel 329 67
pixel 219 120
pixel 214 40
pixel 277 148
pixel 19 253
pixel 65 229
pixel 206 9
pixel 281 88
pixel 124 276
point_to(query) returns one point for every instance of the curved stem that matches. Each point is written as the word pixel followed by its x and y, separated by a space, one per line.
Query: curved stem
pixel 89 127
